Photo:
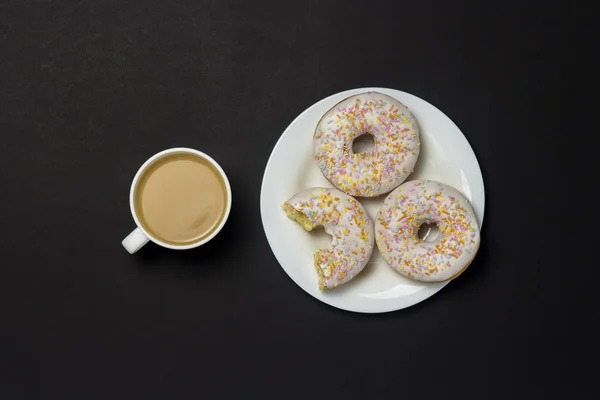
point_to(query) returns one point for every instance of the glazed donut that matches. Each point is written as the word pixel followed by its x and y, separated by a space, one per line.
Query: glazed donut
pixel 395 133
pixel 346 221
pixel 427 202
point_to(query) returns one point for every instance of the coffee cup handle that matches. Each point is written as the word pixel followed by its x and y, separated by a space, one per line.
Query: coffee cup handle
pixel 135 241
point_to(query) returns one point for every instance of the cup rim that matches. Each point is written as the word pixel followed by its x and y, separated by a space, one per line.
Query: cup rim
pixel 150 161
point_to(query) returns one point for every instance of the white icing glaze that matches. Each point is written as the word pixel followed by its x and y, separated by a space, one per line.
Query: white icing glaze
pixel 420 202
pixel 347 222
pixel 396 135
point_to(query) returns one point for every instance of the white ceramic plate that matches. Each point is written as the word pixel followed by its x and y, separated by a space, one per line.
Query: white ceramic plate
pixel 446 156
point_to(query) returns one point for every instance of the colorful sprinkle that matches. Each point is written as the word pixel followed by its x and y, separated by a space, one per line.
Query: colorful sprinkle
pixel 396 136
pixel 347 222
pixel 427 202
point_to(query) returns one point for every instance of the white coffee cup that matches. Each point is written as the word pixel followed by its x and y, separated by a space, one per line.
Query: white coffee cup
pixel 140 236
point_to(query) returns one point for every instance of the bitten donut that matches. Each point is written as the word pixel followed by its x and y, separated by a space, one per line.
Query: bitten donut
pixel 395 133
pixel 432 259
pixel 346 221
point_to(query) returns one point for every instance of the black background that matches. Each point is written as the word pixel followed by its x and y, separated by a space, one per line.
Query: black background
pixel 90 89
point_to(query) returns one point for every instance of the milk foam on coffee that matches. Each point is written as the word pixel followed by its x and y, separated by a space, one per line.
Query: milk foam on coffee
pixel 180 198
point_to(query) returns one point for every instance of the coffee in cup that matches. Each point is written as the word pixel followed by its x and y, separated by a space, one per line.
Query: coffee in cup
pixel 180 199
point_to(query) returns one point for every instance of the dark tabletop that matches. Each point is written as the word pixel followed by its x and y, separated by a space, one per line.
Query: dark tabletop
pixel 90 89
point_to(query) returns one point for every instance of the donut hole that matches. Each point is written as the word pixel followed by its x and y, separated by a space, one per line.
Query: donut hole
pixel 428 232
pixel 364 143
